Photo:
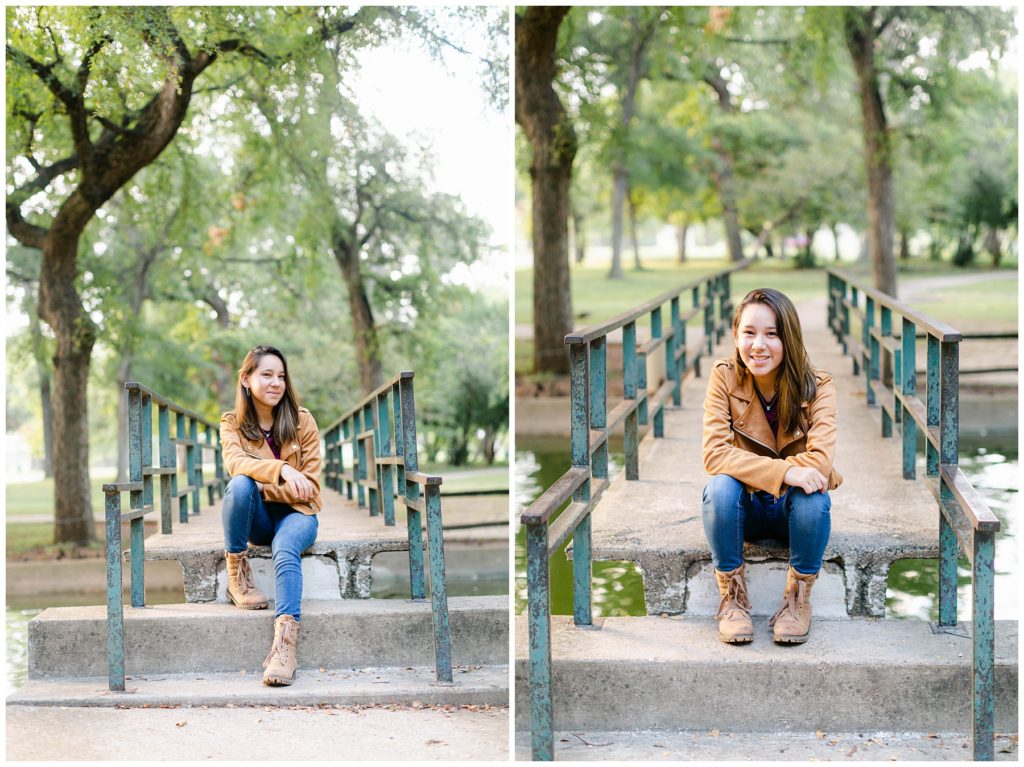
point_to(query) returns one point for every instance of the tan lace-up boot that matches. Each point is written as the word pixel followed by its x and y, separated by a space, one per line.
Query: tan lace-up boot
pixel 241 589
pixel 734 625
pixel 792 622
pixel 279 667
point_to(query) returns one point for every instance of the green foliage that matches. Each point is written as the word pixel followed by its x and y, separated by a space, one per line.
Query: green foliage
pixel 223 242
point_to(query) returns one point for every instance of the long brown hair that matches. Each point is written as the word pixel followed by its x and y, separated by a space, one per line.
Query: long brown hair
pixel 795 380
pixel 286 412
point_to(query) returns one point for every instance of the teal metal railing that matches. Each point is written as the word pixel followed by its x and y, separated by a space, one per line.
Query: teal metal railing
pixel 139 487
pixel 965 520
pixel 591 424
pixel 380 436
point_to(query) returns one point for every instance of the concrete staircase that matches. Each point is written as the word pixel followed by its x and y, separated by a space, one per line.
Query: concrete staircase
pixel 651 679
pixel 188 655
pixel 206 655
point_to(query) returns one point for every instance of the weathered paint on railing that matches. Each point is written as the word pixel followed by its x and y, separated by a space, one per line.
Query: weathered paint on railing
pixel 592 423
pixel 380 433
pixel 964 518
pixel 140 499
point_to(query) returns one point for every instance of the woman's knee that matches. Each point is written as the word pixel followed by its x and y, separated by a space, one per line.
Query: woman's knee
pixel 241 486
pixel 809 506
pixel 294 537
pixel 722 493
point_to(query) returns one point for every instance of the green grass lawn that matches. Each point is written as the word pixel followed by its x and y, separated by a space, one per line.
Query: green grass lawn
pixel 991 304
pixel 463 478
pixel 27 498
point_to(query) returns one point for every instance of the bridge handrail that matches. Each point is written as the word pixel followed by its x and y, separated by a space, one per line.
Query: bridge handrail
pixel 386 419
pixel 140 499
pixel 965 519
pixel 587 479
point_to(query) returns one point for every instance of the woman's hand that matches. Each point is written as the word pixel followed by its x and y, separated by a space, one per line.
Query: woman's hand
pixel 301 487
pixel 809 479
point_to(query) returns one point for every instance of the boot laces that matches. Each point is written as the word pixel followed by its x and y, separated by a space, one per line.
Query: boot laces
pixel 735 599
pixel 280 644
pixel 792 601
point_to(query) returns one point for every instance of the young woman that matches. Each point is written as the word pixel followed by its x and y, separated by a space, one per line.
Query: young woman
pixel 769 442
pixel 271 450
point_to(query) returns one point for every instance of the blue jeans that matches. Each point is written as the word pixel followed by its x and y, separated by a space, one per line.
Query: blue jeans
pixel 732 515
pixel 247 518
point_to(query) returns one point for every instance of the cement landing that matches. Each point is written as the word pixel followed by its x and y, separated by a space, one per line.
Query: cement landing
pixel 445 733
pixel 715 745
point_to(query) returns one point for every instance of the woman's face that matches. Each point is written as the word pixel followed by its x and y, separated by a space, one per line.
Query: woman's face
pixel 266 382
pixel 758 341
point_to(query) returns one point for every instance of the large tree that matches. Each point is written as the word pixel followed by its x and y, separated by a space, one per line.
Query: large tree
pixel 96 94
pixel 540 114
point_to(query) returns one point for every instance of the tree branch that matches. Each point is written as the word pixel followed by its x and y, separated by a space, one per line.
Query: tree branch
pixel 27 234
pixel 45 73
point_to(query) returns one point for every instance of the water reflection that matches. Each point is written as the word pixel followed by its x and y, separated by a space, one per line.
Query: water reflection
pixel 913 583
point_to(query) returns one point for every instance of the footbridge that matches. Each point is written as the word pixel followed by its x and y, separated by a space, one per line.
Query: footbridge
pixel 896 376
pixel 428 649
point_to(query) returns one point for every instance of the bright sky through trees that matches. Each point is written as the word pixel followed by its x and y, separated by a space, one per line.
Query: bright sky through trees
pixel 443 107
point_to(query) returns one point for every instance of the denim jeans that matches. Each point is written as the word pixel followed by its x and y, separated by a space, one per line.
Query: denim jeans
pixel 247 518
pixel 732 515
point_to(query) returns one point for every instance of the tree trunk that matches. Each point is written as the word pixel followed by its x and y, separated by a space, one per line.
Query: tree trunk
pixel 553 143
pixel 620 179
pixel 681 232
pixel 124 370
pixel 45 376
pixel 904 245
pixel 723 177
pixel 639 42
pixel 834 228
pixel 364 331
pixel 860 39
pixel 994 246
pixel 61 308
pixel 489 445
pixel 579 238
pixel 632 228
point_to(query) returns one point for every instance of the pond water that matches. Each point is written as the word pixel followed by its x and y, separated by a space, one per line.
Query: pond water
pixel 992 468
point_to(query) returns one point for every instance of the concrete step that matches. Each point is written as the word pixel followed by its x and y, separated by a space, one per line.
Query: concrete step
pixel 877 516
pixel 720 745
pixel 191 638
pixel 338 564
pixel 853 674
pixel 327 686
pixel 280 735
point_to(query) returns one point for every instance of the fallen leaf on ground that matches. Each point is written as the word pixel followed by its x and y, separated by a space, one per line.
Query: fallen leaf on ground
pixel 180 724
pixel 819 735
pixel 851 751
pixel 715 733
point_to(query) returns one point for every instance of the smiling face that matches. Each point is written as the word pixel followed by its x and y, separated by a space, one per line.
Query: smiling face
pixel 267 382
pixel 759 343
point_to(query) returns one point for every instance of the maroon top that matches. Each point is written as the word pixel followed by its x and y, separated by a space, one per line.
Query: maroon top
pixel 269 436
pixel 771 411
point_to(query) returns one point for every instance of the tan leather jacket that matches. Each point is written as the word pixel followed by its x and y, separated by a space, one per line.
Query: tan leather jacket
pixel 243 457
pixel 739 442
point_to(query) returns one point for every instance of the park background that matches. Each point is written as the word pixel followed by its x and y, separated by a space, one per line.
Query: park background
pixel 338 186
pixel 685 139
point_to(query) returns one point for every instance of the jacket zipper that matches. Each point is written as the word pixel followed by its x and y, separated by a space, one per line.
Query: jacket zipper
pixel 754 439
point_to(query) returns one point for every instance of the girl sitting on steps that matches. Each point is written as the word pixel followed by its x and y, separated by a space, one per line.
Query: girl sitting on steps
pixel 769 441
pixel 271 450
